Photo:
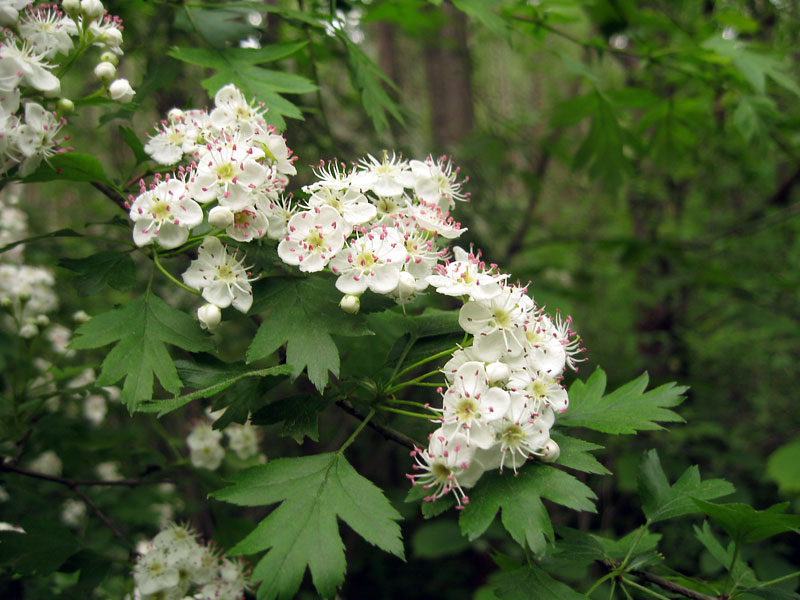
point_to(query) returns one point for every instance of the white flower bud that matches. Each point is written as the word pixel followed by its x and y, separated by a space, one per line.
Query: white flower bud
pixel 209 315
pixel 108 56
pixel 105 71
pixel 220 216
pixel 92 9
pixel 121 91
pixel 350 304
pixel 71 7
pixel 112 37
pixel 497 371
pixel 65 106
pixel 8 15
pixel 551 451
pixel 175 114
pixel 6 302
pixel 407 285
pixel 81 316
pixel 42 320
pixel 28 331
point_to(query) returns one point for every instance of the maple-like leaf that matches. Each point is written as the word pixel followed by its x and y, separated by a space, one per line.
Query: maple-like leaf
pixel 141 328
pixel 303 531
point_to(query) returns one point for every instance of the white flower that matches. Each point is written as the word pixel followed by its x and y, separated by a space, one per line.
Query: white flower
pixel 279 211
pixel 432 218
pixel 388 177
pixel 165 214
pixel 47 462
pixel 275 151
pixel 519 435
pixel 153 573
pixel 94 409
pixel 73 512
pixel 242 439
pixel 446 466
pixel 167 146
pixel 335 188
pixel 234 111
pixel 204 444
pixel 541 389
pixel 466 276
pixel 220 216
pixel 46 28
pixel 108 471
pixel 313 239
pixel 28 63
pixel 247 225
pixel 121 91
pixel 470 404
pixel 435 182
pixel 497 323
pixel 36 137
pixel 372 261
pixel 221 277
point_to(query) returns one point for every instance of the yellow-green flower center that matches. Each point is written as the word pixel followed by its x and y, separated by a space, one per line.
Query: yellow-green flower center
pixel 161 210
pixel 226 172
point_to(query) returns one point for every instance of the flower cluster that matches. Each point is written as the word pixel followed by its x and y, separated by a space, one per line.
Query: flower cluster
pixel 36 40
pixel 234 168
pixel 205 443
pixel 503 390
pixel 378 226
pixel 175 565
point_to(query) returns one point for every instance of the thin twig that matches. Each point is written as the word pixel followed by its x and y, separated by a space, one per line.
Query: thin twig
pixel 387 432
pixel 673 587
pixel 115 196
pixel 108 523
pixel 72 483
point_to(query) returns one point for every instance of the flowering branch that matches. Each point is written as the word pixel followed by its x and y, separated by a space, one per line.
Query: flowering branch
pixel 73 483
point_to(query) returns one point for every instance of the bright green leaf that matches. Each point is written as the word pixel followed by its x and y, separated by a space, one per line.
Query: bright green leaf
pixel 115 269
pixel 303 313
pixel 746 524
pixel 724 556
pixel 661 501
pixel 626 410
pixel 141 329
pixel 783 467
pixel 519 499
pixel 575 454
pixel 531 582
pixel 303 531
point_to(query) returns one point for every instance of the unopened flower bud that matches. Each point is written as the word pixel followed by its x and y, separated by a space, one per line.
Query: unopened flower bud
pixel 209 315
pixel 81 316
pixel 6 302
pixel 407 284
pixel 105 71
pixel 551 451
pixel 8 15
pixel 42 320
pixel 175 114
pixel 71 7
pixel 121 91
pixel 109 56
pixel 350 304
pixel 28 331
pixel 112 37
pixel 92 9
pixel 497 371
pixel 220 216
pixel 65 106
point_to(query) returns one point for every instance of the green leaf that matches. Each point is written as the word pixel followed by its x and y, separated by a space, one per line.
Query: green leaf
pixel 783 467
pixel 483 11
pixel 220 58
pixel 746 524
pixel 69 166
pixel 581 547
pixel 42 549
pixel 438 539
pixel 141 328
pixel 298 413
pixel 601 150
pixel 661 501
pixel 115 269
pixel 626 410
pixel 369 78
pixel 740 572
pixel 162 407
pixel 531 582
pixel 519 499
pixel 134 143
pixel 303 531
pixel 575 454
pixel 303 313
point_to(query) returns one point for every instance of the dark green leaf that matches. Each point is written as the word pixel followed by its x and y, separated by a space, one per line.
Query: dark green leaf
pixel 627 409
pixel 746 524
pixel 69 166
pixel 575 454
pixel 531 582
pixel 141 329
pixel 740 572
pixel 303 313
pixel 303 531
pixel 298 414
pixel 134 143
pixel 42 549
pixel 519 499
pixel 437 539
pixel 783 467
pixel 115 269
pixel 661 501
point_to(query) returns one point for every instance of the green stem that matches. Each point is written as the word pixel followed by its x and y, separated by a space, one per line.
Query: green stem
pixel 778 580
pixel 419 363
pixel 414 381
pixel 644 589
pixel 597 583
pixel 408 403
pixel 613 589
pixel 399 364
pixel 403 412
pixel 736 546
pixel 625 591
pixel 635 543
pixel 170 277
pixel 361 426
